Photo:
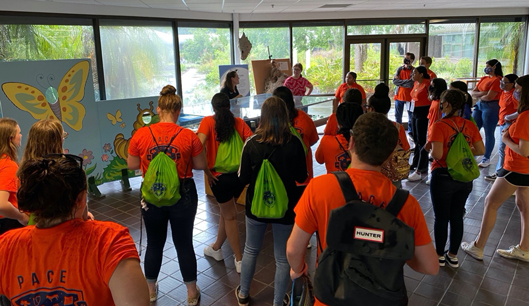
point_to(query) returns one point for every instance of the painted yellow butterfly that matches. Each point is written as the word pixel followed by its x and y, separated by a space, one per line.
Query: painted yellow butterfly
pixel 115 118
pixel 61 103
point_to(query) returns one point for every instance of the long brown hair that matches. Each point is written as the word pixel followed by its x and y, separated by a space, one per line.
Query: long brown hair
pixel 523 105
pixel 44 137
pixel 8 131
pixel 227 81
pixel 274 128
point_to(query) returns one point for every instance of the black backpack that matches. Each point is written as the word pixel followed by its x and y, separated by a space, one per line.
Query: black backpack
pixel 367 247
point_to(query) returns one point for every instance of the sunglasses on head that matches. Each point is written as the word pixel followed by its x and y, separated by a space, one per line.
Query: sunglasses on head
pixel 75 158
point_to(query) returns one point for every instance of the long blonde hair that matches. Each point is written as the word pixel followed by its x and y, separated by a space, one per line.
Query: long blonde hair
pixel 8 131
pixel 44 137
pixel 274 126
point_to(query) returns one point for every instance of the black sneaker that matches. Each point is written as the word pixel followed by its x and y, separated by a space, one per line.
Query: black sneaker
pixel 451 261
pixel 491 177
pixel 442 261
pixel 241 301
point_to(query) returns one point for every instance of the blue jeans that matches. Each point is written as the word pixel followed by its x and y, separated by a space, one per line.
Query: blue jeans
pixel 448 201
pixel 255 232
pixel 399 110
pixel 501 148
pixel 486 115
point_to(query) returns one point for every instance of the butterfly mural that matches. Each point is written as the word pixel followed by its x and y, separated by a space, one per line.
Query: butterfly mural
pixel 115 118
pixel 60 103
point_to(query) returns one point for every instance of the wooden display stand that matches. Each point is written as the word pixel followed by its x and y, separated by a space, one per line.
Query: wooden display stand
pixel 261 71
pixel 241 200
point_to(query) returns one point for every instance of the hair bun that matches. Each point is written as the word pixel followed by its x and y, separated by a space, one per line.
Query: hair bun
pixel 168 90
pixel 381 90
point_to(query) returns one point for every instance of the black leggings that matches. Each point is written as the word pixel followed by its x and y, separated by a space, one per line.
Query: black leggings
pixel 182 217
pixel 9 224
pixel 448 200
pixel 419 121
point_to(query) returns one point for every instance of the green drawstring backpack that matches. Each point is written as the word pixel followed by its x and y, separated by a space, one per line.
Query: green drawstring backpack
pixel 270 198
pixel 460 161
pixel 229 154
pixel 161 184
pixel 295 132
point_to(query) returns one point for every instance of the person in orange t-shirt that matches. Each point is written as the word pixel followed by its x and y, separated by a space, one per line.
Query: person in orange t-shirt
pixel 448 195
pixel 305 127
pixel 212 131
pixel 352 95
pixel 508 105
pixel 66 259
pixel 10 216
pixel 426 61
pixel 350 82
pixel 333 149
pixel 437 86
pixel 372 142
pixel 486 111
pixel 404 82
pixel 514 177
pixel 184 147
pixel 379 102
pixel 420 109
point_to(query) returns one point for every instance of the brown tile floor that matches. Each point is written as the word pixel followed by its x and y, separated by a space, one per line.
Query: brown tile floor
pixel 495 281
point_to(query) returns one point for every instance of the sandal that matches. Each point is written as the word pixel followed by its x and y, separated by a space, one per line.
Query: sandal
pixel 153 296
pixel 193 301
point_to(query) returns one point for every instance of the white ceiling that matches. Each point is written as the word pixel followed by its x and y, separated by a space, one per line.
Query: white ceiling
pixel 295 6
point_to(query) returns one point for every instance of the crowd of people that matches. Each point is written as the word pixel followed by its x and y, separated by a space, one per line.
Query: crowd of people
pixel 78 258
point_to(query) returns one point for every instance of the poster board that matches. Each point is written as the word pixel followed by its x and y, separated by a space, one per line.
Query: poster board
pixel 242 72
pixel 261 71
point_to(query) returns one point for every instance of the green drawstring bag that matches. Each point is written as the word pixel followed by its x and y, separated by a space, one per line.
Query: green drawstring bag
pixel 296 133
pixel 229 154
pixel 270 198
pixel 460 161
pixel 161 184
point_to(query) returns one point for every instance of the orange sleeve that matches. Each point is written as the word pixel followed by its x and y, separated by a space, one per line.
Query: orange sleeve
pixel 362 91
pixel 403 140
pixel 243 129
pixel 305 215
pixel 412 214
pixel 320 151
pixel 8 179
pixel 340 91
pixel 135 142
pixel 120 246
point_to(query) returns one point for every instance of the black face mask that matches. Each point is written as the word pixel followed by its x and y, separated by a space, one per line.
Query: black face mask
pixel 407 61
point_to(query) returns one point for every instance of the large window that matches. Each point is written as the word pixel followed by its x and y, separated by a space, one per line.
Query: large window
pixel 319 48
pixel 202 50
pixel 270 39
pixel 451 46
pixel 502 39
pixel 48 39
pixel 138 58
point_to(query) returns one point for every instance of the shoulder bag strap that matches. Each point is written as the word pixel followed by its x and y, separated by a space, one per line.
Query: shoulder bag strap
pixel 339 143
pixel 346 184
pixel 172 138
pixel 397 202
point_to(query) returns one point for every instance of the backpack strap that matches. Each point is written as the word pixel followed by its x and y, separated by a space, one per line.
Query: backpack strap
pixel 170 142
pixel 339 143
pixel 397 202
pixel 346 184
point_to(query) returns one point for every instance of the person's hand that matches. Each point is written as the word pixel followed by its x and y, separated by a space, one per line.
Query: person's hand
pixel 294 275
pixel 90 216
pixel 24 219
pixel 212 180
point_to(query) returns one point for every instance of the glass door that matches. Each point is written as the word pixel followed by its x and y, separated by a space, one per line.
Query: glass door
pixel 365 58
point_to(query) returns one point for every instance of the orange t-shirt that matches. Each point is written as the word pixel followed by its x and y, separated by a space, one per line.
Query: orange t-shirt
pixel 434 114
pixel 487 83
pixel 343 88
pixel 419 93
pixel 67 264
pixel 508 104
pixel 403 93
pixel 183 148
pixel 207 127
pixel 306 128
pixel 432 74
pixel 8 178
pixel 518 130
pixel 331 128
pixel 403 140
pixel 333 152
pixel 314 208
pixel 445 134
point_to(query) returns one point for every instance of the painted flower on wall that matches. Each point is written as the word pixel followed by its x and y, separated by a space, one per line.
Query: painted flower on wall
pixel 107 147
pixel 104 157
pixel 87 157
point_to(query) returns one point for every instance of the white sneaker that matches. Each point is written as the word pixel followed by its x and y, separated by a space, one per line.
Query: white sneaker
pixel 238 265
pixel 217 255
pixel 514 252
pixel 414 177
pixel 471 249
pixel 485 162
pixel 428 182
pixel 309 245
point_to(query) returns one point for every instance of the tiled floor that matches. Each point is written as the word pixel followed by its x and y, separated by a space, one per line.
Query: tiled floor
pixel 494 281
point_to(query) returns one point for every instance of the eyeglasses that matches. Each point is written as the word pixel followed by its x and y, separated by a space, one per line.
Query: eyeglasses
pixel 75 158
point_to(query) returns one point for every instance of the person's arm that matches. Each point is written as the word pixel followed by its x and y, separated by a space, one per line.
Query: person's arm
pixel 478 148
pixel 9 211
pixel 296 247
pixel 320 154
pixel 424 260
pixel 128 285
pixel 201 163
pixel 437 150
pixel 133 162
pixel 310 87
pixel 522 148
pixel 202 138
pixel 488 95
